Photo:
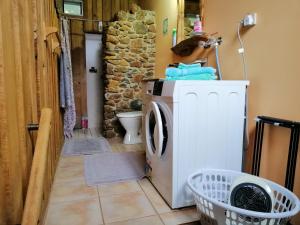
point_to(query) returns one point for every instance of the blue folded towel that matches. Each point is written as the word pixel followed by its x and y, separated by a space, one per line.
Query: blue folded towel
pixel 176 72
pixel 184 66
pixel 202 76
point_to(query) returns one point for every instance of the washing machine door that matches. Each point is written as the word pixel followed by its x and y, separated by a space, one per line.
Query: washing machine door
pixel 156 130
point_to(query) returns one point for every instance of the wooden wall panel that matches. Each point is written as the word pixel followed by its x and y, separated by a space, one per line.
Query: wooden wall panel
pixel 27 84
pixel 78 66
pixel 19 86
pixel 97 12
pixel 115 7
pixel 88 13
pixel 49 87
pixel 3 139
pixel 124 5
pixel 11 143
pixel 106 11
pixel 28 69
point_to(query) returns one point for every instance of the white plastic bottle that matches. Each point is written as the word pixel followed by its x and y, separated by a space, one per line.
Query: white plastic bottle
pixel 197 25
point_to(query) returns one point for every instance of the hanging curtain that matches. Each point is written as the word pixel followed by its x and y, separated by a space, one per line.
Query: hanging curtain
pixel 66 81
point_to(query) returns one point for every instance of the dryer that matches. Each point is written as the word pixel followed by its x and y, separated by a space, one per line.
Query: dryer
pixel 190 125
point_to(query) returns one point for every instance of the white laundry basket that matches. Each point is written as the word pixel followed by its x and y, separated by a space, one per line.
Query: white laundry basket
pixel 211 188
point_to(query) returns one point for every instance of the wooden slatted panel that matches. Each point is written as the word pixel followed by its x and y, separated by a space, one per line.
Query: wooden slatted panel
pixel 94 13
pixel 115 7
pixel 49 91
pixel 98 12
pixel 11 145
pixel 3 138
pixel 29 82
pixel 106 11
pixel 26 84
pixel 88 13
pixel 18 52
pixel 78 66
pixel 124 5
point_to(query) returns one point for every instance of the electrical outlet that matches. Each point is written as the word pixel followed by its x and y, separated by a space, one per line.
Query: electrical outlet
pixel 249 20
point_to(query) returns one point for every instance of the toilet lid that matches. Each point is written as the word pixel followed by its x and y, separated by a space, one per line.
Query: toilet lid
pixel 130 114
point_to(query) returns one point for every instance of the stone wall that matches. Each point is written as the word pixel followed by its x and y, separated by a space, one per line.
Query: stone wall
pixel 129 58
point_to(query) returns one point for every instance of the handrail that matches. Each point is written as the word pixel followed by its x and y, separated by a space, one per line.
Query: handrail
pixel 34 195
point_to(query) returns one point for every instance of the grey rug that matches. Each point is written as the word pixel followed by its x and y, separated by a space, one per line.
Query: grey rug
pixel 86 146
pixel 114 167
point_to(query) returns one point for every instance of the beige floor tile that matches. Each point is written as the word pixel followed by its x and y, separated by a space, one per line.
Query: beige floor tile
pixel 150 220
pixel 70 161
pixel 124 207
pixel 180 216
pixel 82 212
pixel 67 174
pixel 119 188
pixel 118 146
pixel 70 191
pixel 157 201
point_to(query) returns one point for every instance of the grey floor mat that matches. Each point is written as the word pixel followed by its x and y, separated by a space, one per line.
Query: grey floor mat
pixel 114 167
pixel 86 146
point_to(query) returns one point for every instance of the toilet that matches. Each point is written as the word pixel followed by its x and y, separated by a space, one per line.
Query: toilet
pixel 131 121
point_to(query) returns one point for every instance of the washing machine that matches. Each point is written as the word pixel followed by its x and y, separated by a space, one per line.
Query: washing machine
pixel 190 125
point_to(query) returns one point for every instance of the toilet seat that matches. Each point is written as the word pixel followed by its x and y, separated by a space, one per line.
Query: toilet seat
pixel 130 114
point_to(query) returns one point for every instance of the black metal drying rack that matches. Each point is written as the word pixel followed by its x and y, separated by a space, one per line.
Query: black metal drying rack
pixel 293 146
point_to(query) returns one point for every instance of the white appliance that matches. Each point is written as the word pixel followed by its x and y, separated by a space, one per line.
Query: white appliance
pixel 190 125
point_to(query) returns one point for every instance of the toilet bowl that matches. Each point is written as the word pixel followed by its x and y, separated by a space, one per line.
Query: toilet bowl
pixel 131 121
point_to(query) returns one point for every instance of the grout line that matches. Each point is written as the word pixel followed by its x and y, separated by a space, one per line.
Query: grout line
pixel 101 212
pixel 157 213
pixel 127 220
pixel 122 194
pixel 72 200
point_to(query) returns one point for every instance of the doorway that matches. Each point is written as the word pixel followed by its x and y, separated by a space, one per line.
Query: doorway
pixel 94 79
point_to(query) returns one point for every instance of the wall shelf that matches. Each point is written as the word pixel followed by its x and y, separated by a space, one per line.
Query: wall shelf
pixel 187 46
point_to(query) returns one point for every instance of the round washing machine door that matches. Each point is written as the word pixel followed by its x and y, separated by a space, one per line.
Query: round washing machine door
pixel 156 130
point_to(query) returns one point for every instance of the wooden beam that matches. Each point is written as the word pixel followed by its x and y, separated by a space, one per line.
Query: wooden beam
pixel 37 176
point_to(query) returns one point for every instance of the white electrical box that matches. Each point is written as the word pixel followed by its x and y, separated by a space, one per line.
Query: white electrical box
pixel 249 20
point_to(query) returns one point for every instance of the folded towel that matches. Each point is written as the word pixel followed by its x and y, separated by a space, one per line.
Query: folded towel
pixel 202 76
pixel 183 66
pixel 176 72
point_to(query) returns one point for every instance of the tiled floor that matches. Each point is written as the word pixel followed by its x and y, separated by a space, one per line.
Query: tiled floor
pixel 72 202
